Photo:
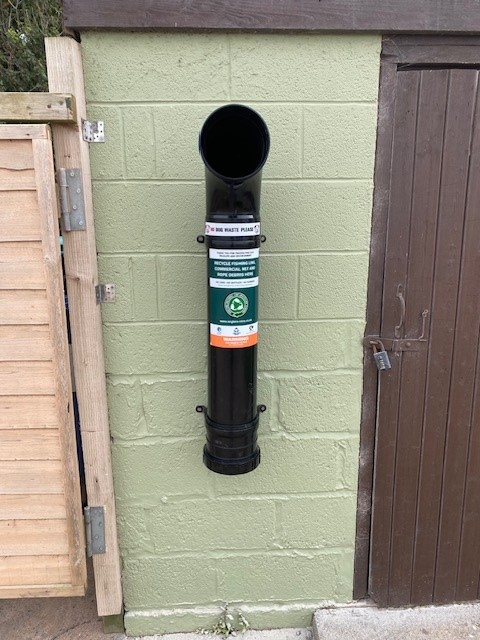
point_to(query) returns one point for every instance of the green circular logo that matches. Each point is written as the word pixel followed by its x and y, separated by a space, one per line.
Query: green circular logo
pixel 236 304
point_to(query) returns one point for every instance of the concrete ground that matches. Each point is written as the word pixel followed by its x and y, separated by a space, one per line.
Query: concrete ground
pixel 270 634
pixel 76 619
pixel 449 622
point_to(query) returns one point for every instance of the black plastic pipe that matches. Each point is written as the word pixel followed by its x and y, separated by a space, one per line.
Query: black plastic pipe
pixel 234 145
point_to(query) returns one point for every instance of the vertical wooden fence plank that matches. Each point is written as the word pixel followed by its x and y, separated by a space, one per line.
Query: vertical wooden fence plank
pixel 65 75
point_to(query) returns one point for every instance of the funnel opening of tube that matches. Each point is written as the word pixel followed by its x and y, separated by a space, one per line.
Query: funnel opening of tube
pixel 234 142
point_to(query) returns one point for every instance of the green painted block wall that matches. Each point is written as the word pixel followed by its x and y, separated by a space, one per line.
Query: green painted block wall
pixel 277 542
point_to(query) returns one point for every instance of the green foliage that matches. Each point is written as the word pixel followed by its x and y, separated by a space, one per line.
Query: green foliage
pixel 23 26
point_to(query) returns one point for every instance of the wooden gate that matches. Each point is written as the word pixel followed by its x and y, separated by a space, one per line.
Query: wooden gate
pixel 42 548
pixel 42 541
pixel 421 425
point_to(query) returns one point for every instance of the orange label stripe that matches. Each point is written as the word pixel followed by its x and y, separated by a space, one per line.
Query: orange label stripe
pixel 233 342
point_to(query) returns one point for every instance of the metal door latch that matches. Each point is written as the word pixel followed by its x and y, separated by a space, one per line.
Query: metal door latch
pixel 396 345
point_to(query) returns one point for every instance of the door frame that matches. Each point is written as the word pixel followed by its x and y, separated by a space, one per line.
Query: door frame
pixel 396 51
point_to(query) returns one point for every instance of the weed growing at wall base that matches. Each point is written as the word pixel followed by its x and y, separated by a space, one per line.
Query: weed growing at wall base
pixel 226 625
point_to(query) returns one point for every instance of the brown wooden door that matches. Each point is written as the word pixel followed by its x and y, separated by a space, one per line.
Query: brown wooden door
pixel 425 527
pixel 42 548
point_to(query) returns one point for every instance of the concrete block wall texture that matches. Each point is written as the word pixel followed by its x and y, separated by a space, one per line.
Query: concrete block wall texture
pixel 276 542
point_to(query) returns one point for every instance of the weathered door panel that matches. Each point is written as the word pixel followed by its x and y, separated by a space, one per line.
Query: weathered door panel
pixel 462 285
pixel 425 518
pixel 42 550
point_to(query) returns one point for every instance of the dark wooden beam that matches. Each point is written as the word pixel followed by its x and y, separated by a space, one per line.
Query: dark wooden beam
pixel 386 16
pixel 428 50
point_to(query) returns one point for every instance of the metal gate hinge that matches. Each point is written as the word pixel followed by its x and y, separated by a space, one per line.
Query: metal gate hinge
pixel 72 204
pixel 95 530
pixel 105 293
pixel 93 130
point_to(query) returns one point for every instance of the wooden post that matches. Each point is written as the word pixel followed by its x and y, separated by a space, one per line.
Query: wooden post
pixel 65 75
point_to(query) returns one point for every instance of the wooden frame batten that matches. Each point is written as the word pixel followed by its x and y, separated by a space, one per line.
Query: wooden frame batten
pixel 388 16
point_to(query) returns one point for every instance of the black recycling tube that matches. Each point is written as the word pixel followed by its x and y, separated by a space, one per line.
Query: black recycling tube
pixel 234 145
